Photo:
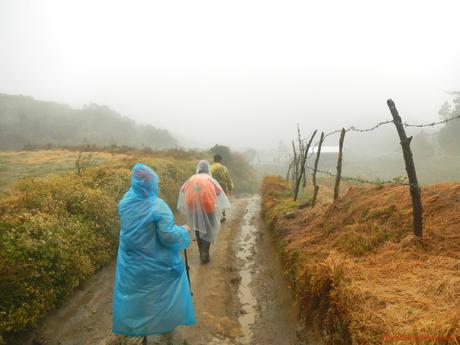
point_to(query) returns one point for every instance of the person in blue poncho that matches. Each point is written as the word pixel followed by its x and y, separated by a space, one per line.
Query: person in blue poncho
pixel 151 294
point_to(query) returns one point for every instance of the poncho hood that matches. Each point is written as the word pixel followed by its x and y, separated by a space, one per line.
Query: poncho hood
pixel 144 181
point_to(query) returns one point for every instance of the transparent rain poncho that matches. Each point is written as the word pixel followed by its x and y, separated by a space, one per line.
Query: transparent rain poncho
pixel 151 293
pixel 201 200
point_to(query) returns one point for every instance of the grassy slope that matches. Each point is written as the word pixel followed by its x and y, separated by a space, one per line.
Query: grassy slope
pixel 356 268
pixel 16 165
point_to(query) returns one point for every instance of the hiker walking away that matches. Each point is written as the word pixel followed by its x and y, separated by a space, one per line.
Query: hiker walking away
pixel 151 293
pixel 201 200
pixel 221 174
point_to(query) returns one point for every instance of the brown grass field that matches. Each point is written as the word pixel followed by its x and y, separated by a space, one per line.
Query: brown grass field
pixel 356 268
pixel 15 165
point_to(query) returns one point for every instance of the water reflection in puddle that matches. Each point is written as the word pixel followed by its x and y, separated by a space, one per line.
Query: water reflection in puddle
pixel 245 251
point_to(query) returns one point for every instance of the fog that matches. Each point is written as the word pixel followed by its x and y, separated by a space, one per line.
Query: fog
pixel 239 73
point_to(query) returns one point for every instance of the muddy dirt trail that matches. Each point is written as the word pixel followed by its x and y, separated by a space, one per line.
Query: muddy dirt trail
pixel 240 297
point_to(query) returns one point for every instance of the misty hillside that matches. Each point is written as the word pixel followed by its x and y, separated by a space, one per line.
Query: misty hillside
pixel 26 121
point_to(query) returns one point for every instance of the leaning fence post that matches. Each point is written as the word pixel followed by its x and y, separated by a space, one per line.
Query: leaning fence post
pixel 302 166
pixel 294 166
pixel 417 207
pixel 288 174
pixel 338 176
pixel 304 180
pixel 315 185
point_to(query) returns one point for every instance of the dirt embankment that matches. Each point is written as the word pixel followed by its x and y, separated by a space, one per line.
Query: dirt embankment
pixel 358 272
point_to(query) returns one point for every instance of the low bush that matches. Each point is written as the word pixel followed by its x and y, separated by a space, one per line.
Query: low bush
pixel 56 231
pixel 54 234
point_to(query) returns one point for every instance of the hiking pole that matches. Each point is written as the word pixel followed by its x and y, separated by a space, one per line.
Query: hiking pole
pixel 187 267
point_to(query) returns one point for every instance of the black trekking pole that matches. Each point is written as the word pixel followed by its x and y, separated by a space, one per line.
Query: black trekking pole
pixel 187 267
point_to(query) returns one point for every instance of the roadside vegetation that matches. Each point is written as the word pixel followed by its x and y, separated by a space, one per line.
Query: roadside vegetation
pixel 356 269
pixel 59 222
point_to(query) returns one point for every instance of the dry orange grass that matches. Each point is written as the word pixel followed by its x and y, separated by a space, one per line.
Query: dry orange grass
pixel 53 156
pixel 358 270
pixel 15 165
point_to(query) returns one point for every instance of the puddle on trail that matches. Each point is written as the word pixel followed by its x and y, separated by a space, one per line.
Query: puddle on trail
pixel 246 249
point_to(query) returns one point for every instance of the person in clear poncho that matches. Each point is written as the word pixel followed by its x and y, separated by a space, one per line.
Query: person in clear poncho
pixel 151 293
pixel 201 200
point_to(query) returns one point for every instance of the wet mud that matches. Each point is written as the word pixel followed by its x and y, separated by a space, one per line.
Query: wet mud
pixel 240 296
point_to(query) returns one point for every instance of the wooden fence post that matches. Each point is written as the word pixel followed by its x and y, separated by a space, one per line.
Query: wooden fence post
pixel 304 179
pixel 288 174
pixel 315 185
pixel 294 166
pixel 299 140
pixel 417 207
pixel 338 176
pixel 302 166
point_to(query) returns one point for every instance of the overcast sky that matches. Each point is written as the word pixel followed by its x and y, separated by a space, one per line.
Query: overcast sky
pixel 241 73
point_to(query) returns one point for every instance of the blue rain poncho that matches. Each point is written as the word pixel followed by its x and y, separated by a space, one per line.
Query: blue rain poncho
pixel 151 293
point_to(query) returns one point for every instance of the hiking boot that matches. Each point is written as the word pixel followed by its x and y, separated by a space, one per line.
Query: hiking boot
pixel 204 258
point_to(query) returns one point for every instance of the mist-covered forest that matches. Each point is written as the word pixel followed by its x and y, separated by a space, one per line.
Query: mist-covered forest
pixel 26 122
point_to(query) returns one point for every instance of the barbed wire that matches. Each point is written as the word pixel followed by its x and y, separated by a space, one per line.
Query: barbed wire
pixel 432 124
pixel 373 128
pixel 380 124
pixel 400 181
pixel 337 131
pixel 396 181
pixel 349 129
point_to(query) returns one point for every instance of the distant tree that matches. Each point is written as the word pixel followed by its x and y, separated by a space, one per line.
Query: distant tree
pixel 224 151
pixel 446 111
pixel 242 172
pixel 448 135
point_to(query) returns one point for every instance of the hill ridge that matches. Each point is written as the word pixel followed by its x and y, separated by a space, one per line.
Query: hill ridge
pixel 25 120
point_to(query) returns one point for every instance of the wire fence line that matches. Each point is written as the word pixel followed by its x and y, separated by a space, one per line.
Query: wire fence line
pixel 380 124
pixel 383 123
pixel 400 181
pixel 405 124
pixel 411 180
pixel 350 129
pixel 432 124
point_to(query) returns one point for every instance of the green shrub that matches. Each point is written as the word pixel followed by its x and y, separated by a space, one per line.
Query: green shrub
pixel 55 232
